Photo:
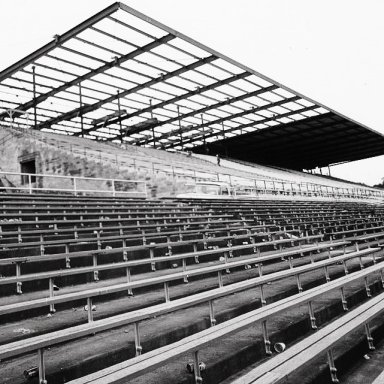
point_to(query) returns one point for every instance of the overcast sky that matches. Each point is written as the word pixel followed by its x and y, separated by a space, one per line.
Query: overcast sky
pixel 331 50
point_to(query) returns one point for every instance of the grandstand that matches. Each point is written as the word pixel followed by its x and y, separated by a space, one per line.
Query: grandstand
pixel 110 272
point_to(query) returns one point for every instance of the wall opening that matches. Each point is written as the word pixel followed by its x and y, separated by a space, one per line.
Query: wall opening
pixel 28 165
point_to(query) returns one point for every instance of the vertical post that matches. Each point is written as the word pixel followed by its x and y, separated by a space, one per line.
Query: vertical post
pixel 34 95
pixel 166 291
pixel 89 305
pixel 120 125
pixel 202 124
pixel 30 183
pixel 267 342
pixel 74 186
pixel 369 337
pixel 222 126
pixel 138 346
pixel 81 114
pixel 40 354
pixel 153 128
pixel 332 368
pixel 180 132
pixel 312 315
pixel 95 273
pixel 212 313
pixel 19 283
pixel 262 296
pixel 196 366
pixel 113 188
pixel 128 272
pixel 51 294
pixel 220 277
pixel 343 299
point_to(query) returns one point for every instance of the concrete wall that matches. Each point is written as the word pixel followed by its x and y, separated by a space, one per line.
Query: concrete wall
pixel 54 161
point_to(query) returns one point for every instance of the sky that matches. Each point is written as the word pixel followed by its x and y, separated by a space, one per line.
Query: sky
pixel 331 50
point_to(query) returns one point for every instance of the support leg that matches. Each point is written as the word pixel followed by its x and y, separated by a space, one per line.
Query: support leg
pixel 332 368
pixel 138 346
pixel 369 337
pixel 312 315
pixel 40 354
pixel 212 313
pixel 267 342
pixel 51 294
pixel 196 370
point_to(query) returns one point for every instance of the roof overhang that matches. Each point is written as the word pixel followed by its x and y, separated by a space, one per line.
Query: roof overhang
pixel 307 144
pixel 114 74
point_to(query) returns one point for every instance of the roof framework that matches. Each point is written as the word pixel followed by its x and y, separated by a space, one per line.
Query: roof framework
pixel 122 76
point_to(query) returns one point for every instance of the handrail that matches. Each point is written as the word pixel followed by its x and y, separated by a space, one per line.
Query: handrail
pixel 305 189
pixel 73 185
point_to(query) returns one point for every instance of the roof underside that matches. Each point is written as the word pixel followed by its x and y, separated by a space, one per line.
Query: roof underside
pixel 306 144
pixel 121 76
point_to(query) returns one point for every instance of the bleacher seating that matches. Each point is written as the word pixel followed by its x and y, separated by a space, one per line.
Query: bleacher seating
pixel 75 267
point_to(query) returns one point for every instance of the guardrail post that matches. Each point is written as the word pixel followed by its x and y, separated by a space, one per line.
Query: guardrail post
pixel 30 183
pixel 74 186
pixel 173 179
pixel 113 188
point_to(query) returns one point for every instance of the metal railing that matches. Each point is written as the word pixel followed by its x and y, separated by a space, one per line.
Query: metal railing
pixel 36 182
pixel 177 170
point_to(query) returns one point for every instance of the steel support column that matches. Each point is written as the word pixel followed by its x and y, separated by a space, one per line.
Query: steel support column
pixel 34 95
pixel 120 125
pixel 180 129
pixel 81 115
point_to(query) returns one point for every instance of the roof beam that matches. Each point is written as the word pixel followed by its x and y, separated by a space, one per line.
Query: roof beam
pixel 88 75
pixel 185 96
pixel 59 40
pixel 92 107
pixel 253 110
pixel 233 116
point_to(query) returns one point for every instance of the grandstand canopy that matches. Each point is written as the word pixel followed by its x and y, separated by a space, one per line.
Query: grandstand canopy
pixel 122 76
